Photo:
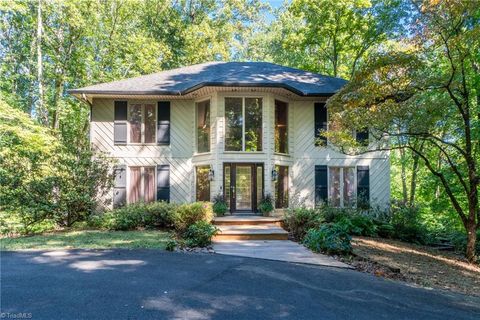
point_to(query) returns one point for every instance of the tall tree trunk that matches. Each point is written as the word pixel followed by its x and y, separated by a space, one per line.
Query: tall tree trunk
pixel 471 240
pixel 41 111
pixel 57 106
pixel 413 181
pixel 403 175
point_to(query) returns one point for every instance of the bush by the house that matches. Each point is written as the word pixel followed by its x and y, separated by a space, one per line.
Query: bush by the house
pixel 266 205
pixel 187 214
pixel 200 234
pixel 299 220
pixel 330 238
pixel 219 205
pixel 357 225
pixel 407 225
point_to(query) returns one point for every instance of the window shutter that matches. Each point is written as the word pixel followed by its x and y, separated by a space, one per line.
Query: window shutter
pixel 320 123
pixel 321 185
pixel 362 136
pixel 120 123
pixel 163 123
pixel 120 186
pixel 363 187
pixel 163 182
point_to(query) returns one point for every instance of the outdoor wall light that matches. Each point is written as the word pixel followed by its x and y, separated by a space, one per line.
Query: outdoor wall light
pixel 211 174
pixel 274 175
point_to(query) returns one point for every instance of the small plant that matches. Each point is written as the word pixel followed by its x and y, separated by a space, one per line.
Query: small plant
pixel 299 220
pixel 330 238
pixel 171 245
pixel 266 205
pixel 219 205
pixel 190 213
pixel 200 234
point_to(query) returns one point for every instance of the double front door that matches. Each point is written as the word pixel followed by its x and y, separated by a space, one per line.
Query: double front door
pixel 243 186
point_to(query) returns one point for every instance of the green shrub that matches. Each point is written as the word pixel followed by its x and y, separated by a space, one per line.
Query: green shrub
pixel 407 225
pixel 219 205
pixel 358 225
pixel 200 234
pixel 384 229
pixel 266 205
pixel 330 238
pixel 129 217
pixel 459 241
pixel 171 245
pixel 299 220
pixel 160 214
pixel 187 214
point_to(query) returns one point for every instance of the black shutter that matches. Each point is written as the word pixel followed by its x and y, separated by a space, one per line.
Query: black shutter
pixel 321 185
pixel 163 123
pixel 362 136
pixel 163 182
pixel 120 186
pixel 320 123
pixel 120 123
pixel 363 187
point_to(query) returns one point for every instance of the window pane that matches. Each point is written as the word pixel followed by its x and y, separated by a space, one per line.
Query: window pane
pixel 281 128
pixel 135 187
pixel 253 124
pixel 149 184
pixel 259 183
pixel 234 124
pixel 226 187
pixel 348 187
pixel 334 186
pixel 281 187
pixel 202 183
pixel 203 126
pixel 150 123
pixel 136 123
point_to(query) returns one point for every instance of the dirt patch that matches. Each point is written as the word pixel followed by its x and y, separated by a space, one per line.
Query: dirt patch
pixel 417 264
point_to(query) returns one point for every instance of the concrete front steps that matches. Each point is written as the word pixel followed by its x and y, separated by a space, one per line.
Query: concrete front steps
pixel 249 228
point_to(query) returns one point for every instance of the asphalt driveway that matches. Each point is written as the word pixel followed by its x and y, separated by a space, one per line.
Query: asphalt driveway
pixel 132 284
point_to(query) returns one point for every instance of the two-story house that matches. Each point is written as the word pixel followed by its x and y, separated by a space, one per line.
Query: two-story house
pixel 240 129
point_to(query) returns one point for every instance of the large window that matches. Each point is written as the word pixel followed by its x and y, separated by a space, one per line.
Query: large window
pixel 281 127
pixel 341 186
pixel 202 183
pixel 203 126
pixel 243 128
pixel 141 184
pixel 142 123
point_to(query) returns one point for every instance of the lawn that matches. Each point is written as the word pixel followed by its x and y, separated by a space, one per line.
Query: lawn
pixel 417 264
pixel 88 239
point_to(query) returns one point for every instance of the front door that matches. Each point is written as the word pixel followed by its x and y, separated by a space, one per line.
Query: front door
pixel 243 186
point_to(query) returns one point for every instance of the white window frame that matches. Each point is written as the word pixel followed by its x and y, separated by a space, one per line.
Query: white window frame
pixel 342 204
pixel 196 126
pixel 243 123
pixel 142 182
pixel 142 123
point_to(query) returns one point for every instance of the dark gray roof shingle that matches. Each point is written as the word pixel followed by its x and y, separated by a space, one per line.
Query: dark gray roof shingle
pixel 243 74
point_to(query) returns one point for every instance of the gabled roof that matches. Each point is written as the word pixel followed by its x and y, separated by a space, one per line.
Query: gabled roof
pixel 184 80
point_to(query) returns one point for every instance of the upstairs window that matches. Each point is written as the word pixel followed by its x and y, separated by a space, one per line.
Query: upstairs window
pixel 281 127
pixel 243 124
pixel 320 124
pixel 142 123
pixel 203 126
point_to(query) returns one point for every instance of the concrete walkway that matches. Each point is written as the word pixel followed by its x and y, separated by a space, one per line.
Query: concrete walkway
pixel 284 250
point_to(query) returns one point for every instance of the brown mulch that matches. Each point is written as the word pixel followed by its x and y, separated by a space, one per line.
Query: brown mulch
pixel 422 265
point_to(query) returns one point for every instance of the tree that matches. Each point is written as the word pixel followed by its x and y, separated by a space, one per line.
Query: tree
pixel 426 98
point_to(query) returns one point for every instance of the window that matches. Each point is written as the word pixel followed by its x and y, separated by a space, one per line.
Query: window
pixel 281 127
pixel 341 186
pixel 202 183
pixel 203 126
pixel 320 124
pixel 281 187
pixel 243 128
pixel 142 123
pixel 142 184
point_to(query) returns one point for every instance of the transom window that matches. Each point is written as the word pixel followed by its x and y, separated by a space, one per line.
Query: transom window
pixel 203 126
pixel 243 127
pixel 341 186
pixel 142 123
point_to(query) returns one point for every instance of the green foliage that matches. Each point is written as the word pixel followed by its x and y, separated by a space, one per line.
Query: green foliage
pixel 187 214
pixel 330 238
pixel 299 220
pixel 200 234
pixel 219 205
pixel 358 225
pixel 171 245
pixel 266 205
pixel 407 225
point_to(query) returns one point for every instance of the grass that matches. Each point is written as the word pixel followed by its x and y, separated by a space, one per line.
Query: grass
pixel 88 239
